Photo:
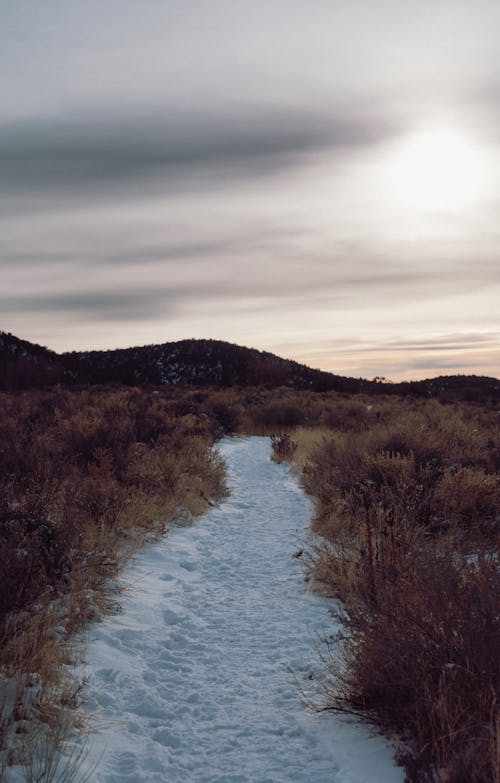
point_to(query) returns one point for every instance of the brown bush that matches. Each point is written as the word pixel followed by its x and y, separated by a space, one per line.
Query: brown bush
pixel 406 508
pixel 422 660
pixel 283 447
pixel 80 473
pixel 469 497
pixel 408 511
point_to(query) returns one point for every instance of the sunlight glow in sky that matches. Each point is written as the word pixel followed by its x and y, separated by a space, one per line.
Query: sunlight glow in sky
pixel 438 170
pixel 317 179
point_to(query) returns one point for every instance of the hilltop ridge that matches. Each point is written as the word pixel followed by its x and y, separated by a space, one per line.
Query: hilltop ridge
pixel 206 362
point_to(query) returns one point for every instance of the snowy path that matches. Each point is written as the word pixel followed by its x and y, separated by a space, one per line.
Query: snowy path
pixel 192 681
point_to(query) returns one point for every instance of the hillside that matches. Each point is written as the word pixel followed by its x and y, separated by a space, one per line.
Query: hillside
pixel 208 363
pixel 200 363
pixel 185 362
pixel 26 365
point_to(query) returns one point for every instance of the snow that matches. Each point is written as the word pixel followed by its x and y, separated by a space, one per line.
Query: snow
pixel 200 678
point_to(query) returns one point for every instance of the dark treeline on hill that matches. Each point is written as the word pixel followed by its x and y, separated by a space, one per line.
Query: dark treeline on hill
pixel 25 365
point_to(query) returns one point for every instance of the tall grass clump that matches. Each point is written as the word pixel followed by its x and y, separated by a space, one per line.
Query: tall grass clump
pixel 283 447
pixel 407 523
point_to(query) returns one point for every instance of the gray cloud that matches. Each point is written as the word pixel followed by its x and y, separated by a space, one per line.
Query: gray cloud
pixel 448 343
pixel 440 364
pixel 483 101
pixel 226 270
pixel 115 253
pixel 234 289
pixel 105 305
pixel 474 352
pixel 205 167
pixel 75 153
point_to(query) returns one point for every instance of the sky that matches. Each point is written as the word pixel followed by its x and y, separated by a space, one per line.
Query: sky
pixel 315 178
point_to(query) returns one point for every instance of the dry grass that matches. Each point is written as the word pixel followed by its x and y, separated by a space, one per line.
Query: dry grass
pixel 407 511
pixel 283 447
pixel 407 525
pixel 84 476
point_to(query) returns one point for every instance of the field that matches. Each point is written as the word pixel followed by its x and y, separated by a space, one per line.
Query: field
pixel 405 534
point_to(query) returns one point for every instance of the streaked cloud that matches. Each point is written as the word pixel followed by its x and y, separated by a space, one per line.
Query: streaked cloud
pixel 218 169
pixel 106 305
pixel 438 354
pixel 81 154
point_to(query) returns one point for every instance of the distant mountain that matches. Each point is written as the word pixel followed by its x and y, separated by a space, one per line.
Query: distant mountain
pixel 207 363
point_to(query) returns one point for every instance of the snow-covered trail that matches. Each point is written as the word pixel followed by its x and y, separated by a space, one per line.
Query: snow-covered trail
pixel 191 682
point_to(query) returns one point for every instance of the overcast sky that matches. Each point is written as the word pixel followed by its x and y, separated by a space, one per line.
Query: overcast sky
pixel 317 178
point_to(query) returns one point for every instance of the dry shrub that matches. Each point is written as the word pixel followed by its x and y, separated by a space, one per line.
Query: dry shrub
pixel 421 659
pixel 263 411
pixel 283 447
pixel 407 513
pixel 407 508
pixel 432 472
pixel 307 439
pixel 32 558
pixel 469 497
pixel 281 413
pixel 81 473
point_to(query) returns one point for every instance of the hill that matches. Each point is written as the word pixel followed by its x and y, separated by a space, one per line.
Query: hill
pixel 208 363
pixel 25 365
pixel 200 363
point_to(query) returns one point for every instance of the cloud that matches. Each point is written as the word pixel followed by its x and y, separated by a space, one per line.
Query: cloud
pixel 403 358
pixel 225 271
pixel 452 342
pixel 440 364
pixel 103 305
pixel 466 341
pixel 118 252
pixel 81 153
pixel 129 292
